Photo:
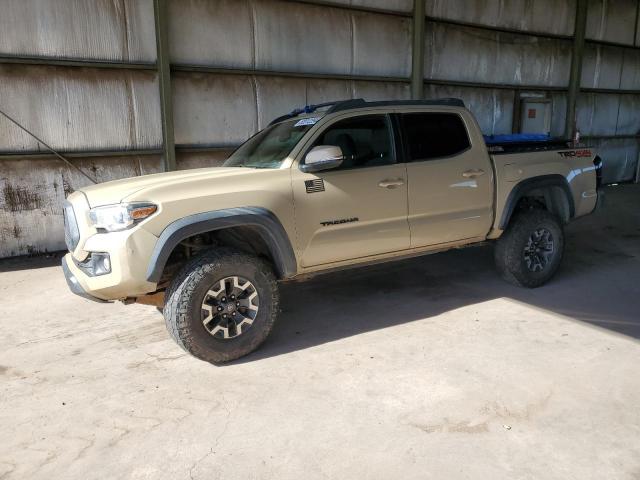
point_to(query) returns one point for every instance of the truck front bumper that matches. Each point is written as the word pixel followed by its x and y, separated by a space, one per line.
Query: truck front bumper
pixel 74 284
pixel 128 253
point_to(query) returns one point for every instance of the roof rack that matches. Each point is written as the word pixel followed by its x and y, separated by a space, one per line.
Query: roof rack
pixel 342 105
pixel 360 103
pixel 306 109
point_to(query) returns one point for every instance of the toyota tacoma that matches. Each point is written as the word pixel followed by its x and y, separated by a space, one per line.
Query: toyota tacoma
pixel 325 187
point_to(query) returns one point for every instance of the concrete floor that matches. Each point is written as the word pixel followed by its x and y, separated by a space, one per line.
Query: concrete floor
pixel 428 368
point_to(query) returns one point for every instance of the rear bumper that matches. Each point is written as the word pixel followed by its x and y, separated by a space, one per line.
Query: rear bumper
pixel 74 285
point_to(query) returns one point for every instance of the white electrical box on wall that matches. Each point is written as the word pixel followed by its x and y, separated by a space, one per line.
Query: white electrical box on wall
pixel 535 115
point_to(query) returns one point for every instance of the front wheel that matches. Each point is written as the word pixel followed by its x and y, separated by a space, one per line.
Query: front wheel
pixel 529 252
pixel 222 305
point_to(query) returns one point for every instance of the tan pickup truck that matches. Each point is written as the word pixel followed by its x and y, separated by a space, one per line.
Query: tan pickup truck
pixel 325 187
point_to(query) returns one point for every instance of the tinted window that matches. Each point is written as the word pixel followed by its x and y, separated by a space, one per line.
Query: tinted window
pixel 433 135
pixel 365 141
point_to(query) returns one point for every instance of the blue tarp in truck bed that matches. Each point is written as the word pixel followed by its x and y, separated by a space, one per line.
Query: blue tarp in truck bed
pixel 516 138
pixel 524 142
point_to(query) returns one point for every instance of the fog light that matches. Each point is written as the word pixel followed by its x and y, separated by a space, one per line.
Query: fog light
pixel 101 263
pixel 106 264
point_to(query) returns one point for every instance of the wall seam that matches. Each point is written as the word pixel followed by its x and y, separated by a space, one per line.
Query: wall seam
pixel 620 88
pixel 131 110
pixel 352 22
pixel 603 18
pixel 635 27
pixel 254 87
pixel 125 16
pixel 419 23
pixel 252 25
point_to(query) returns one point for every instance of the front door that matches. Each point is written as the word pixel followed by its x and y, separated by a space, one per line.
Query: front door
pixel 360 208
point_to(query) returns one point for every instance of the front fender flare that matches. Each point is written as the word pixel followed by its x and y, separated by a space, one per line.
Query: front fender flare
pixel 265 221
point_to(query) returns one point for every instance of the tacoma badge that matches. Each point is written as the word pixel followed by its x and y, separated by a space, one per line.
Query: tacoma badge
pixel 341 221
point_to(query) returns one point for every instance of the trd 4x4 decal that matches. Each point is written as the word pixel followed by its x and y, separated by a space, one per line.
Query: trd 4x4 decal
pixel 575 153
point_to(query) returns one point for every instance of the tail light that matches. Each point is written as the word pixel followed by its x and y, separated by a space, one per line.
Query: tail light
pixel 597 162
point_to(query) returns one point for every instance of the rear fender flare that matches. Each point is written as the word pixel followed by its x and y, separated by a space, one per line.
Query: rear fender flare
pixel 525 186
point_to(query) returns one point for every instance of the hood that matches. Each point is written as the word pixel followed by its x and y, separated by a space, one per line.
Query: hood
pixel 118 190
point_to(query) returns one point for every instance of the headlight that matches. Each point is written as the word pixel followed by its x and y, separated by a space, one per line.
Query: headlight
pixel 114 218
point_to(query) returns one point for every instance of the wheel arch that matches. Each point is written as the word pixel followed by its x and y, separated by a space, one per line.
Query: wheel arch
pixel 553 188
pixel 264 222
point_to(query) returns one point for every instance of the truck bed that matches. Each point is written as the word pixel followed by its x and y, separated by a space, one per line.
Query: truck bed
pixel 519 161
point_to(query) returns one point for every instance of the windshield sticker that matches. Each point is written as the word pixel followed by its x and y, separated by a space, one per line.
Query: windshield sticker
pixel 306 121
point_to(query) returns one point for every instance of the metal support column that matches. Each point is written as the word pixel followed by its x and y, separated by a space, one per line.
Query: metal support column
pixel 164 77
pixel 635 36
pixel 417 53
pixel 576 67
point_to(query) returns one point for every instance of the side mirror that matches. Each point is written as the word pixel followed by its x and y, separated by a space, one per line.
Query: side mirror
pixel 322 157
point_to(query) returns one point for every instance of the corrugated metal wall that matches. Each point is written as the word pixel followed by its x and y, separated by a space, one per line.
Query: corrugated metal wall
pixel 82 75
pixel 530 55
pixel 611 73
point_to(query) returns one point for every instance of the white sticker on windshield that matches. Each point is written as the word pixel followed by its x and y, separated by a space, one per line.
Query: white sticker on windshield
pixel 306 121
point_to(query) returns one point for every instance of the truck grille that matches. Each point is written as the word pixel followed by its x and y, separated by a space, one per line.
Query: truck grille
pixel 71 231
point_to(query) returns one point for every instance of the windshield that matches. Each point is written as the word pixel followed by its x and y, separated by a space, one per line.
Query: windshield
pixel 269 148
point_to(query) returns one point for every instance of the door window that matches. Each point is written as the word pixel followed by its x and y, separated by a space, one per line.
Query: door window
pixel 434 135
pixel 365 141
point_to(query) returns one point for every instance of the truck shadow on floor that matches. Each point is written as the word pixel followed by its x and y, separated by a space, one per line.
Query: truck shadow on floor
pixel 598 283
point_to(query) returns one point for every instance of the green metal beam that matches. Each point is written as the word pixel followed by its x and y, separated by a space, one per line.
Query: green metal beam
pixel 189 68
pixel 576 67
pixel 495 28
pixel 164 76
pixel 417 52
pixel 181 67
pixel 81 154
pixel 499 86
pixel 351 7
pixel 74 62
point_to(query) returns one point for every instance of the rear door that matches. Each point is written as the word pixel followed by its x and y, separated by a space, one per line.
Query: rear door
pixel 450 177
pixel 360 208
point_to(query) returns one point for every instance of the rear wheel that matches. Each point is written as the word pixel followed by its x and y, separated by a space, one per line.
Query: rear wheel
pixel 529 253
pixel 222 305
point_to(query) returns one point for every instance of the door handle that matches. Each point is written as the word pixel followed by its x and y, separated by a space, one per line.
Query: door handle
pixel 391 183
pixel 473 173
